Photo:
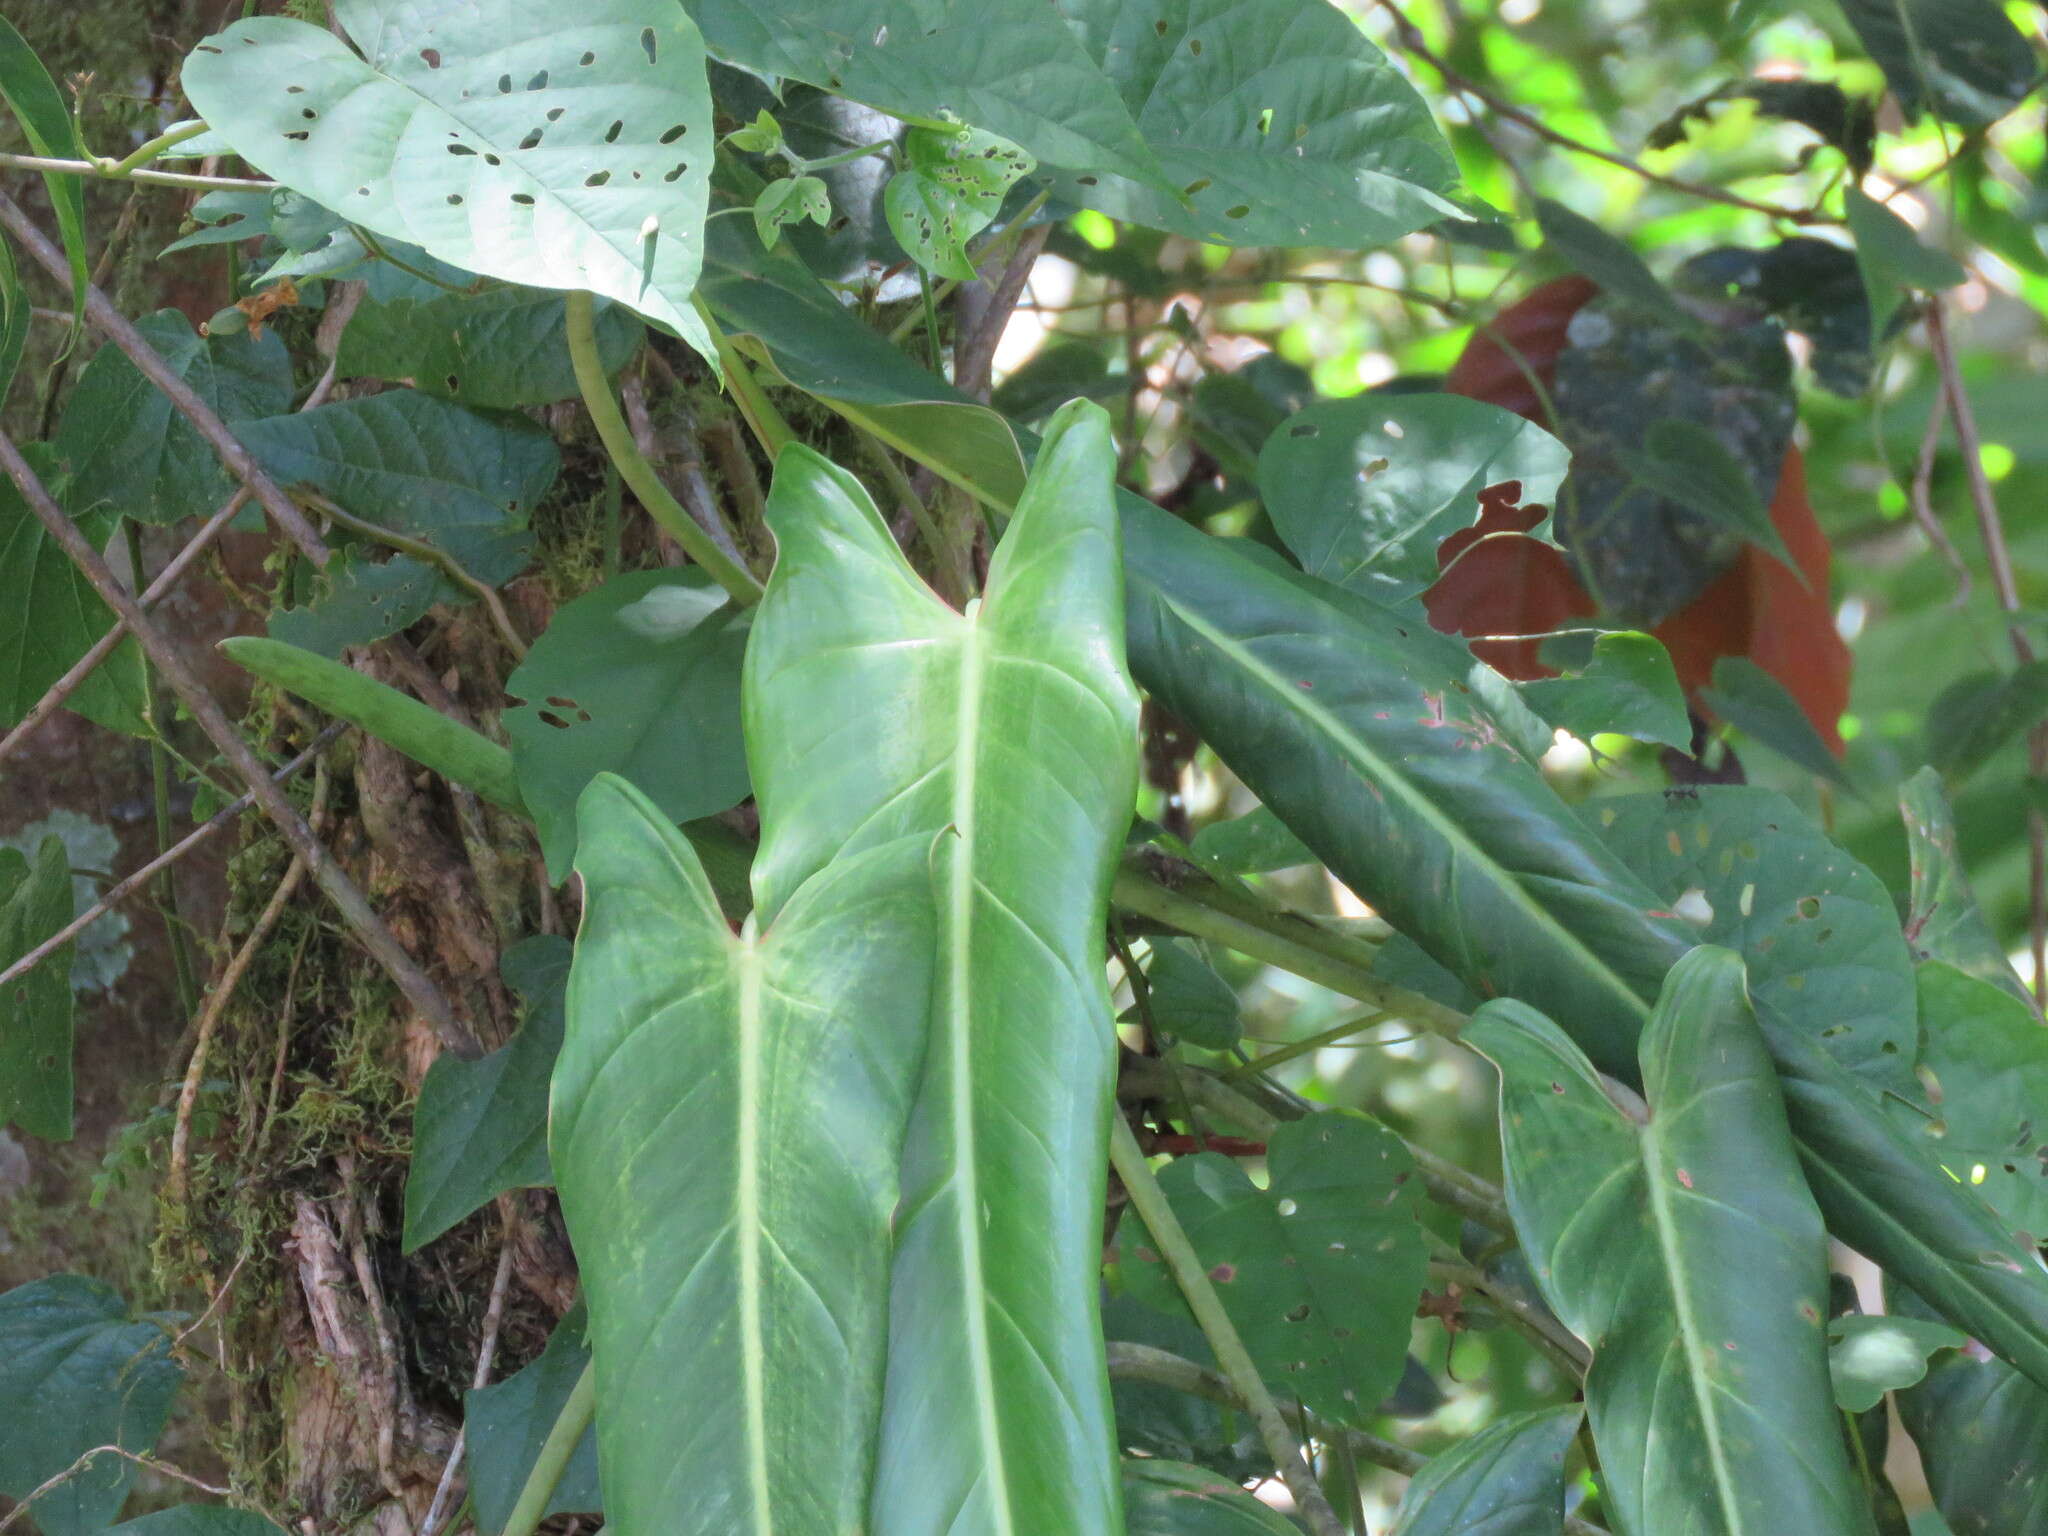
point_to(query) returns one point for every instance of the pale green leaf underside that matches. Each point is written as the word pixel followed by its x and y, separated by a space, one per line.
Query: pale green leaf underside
pixel 726 1118
pixel 1003 744
pixel 515 141
pixel 1687 1253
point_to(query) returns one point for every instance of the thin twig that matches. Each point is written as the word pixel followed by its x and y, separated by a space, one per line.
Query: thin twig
pixel 87 1458
pixel 414 982
pixel 1991 529
pixel 88 168
pixel 981 321
pixel 62 689
pixel 1923 499
pixel 280 508
pixel 487 1352
pixel 1411 40
pixel 209 1020
pixel 1150 1202
pixel 130 884
pixel 1141 1362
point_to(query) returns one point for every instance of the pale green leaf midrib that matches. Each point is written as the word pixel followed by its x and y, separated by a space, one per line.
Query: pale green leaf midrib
pixel 959 1045
pixel 748 1040
pixel 1695 1348
pixel 1397 784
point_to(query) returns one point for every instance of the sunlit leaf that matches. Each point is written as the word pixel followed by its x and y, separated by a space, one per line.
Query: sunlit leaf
pixel 558 152
pixel 1870 1356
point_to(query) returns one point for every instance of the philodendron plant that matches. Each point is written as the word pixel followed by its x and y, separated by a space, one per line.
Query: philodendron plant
pixel 897 1091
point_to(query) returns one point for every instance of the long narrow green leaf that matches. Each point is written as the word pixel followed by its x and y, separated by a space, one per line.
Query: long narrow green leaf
pixel 38 107
pixel 423 734
pixel 727 1113
pixel 1684 1248
pixel 1004 743
pixel 1316 698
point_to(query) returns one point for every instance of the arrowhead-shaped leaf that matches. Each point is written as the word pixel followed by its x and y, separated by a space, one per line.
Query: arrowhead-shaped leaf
pixel 1682 1245
pixel 1002 743
pixel 727 1112
pixel 510 140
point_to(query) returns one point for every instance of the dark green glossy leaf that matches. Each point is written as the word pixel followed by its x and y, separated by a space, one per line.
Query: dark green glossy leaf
pixel 502 348
pixel 131 452
pixel 1364 490
pixel 455 130
pixel 420 466
pixel 1818 931
pixel 1171 1498
pixel 1011 732
pixel 1188 999
pixel 1963 59
pixel 1276 122
pixel 1627 688
pixel 1007 66
pixel 1976 716
pixel 35 1025
pixel 1320 1271
pixel 78 1370
pixel 640 677
pixel 951 186
pixel 726 1116
pixel 398 720
pixel 1592 252
pixel 199 1520
pixel 1684 1247
pixel 481 1127
pixel 1758 705
pixel 1986 1056
pixel 1943 920
pixel 1507 1480
pixel 53 616
pixel 508 1423
pixel 1982 1430
pixel 1870 1356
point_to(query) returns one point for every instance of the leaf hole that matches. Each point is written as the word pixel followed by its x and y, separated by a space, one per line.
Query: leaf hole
pixel 1265 120
pixel 1372 471
pixel 647 43
pixel 453 382
pixel 491 159
pixel 597 178
pixel 504 85
pixel 1809 906
pixel 549 717
pixel 308 114
pixel 1238 212
pixel 611 134
pixel 1304 429
pixel 1394 429
pixel 1195 46
pixel 675 133
pixel 1159 27
pixel 1296 1314
pixel 1199 184
pixel 299 137
pixel 539 82
pixel 523 199
pixel 681 166
pixel 460 149
pixel 432 57
pixel 555 114
pixel 454 199
pixel 531 141
pixel 587 60
pixel 1086 181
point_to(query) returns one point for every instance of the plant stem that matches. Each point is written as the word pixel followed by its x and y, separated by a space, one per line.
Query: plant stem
pixel 154 178
pixel 430 554
pixel 931 320
pixel 763 420
pixel 1328 959
pixel 1557 1343
pixel 844 157
pixel 577 1412
pixel 1152 1207
pixel 635 470
pixel 142 154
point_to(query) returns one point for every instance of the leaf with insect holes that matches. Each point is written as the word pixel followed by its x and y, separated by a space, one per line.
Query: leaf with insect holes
pixel 1320 1272
pixel 950 187
pixel 556 151
pixel 789 201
